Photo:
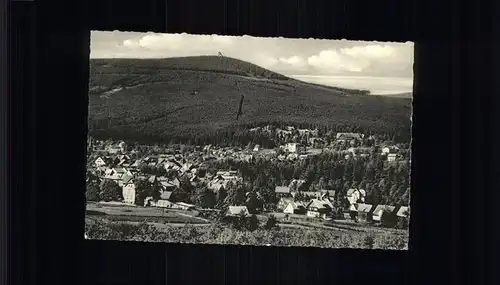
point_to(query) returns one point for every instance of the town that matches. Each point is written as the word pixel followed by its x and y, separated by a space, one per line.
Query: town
pixel 312 179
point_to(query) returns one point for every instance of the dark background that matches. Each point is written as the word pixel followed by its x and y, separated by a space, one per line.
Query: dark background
pixel 452 163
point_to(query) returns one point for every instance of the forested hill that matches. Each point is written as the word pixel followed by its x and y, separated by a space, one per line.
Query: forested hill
pixel 193 97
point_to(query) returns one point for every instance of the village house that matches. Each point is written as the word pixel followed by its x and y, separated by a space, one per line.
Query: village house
pixel 282 191
pixel 327 194
pixel 111 174
pixel 363 211
pixel 355 195
pixel 113 149
pixel 389 149
pixel 165 204
pixel 295 208
pixel 167 186
pixel 347 137
pixel 100 162
pixel 319 208
pixel 236 211
pixel 128 191
pixel 297 184
pixel 185 206
pixel 391 157
pixel 403 212
pixel 256 148
pixel 316 142
pixel 307 194
pixel 172 166
pixel 292 147
pixel 283 202
pixel 379 210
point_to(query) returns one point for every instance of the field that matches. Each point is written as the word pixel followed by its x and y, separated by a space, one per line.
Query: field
pixel 177 226
pixel 156 99
pixel 139 214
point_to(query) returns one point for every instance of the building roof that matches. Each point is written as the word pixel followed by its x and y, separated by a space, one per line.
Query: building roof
pixel 330 193
pixel 320 204
pixel 363 208
pixel 126 178
pixel 167 184
pixel 350 192
pixel 185 204
pixel 297 182
pixel 380 208
pixel 403 211
pixel 237 210
pixel 282 189
pixel 296 205
pixel 348 135
pixel 165 195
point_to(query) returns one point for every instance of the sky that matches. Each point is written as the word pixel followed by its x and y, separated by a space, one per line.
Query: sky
pixel 380 67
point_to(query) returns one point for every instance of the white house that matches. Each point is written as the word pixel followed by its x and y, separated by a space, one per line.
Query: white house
pixel 237 210
pixel 379 211
pixel 185 206
pixel 256 148
pixel 99 162
pixel 317 208
pixel 292 147
pixel 387 150
pixel 391 157
pixel 295 208
pixel 128 192
pixel 283 203
pixel 403 212
pixel 363 210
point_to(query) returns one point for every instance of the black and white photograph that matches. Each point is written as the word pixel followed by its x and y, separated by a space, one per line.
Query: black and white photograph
pixel 252 141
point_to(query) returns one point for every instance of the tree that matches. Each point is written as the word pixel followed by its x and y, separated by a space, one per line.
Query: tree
pixel 271 223
pixel 93 192
pixel 142 191
pixel 110 191
pixel 240 222
pixel 253 203
pixel 235 195
pixel 388 219
pixel 252 223
pixel 205 198
pixel 220 198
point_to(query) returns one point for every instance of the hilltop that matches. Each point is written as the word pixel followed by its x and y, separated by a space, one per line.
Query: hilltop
pixel 161 99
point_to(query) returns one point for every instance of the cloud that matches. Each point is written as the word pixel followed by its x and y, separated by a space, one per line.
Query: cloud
pixel 369 51
pixel 287 56
pixel 293 60
pixel 178 42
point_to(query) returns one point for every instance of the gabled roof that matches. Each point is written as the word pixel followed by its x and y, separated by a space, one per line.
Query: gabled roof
pixel 403 211
pixel 165 195
pixel 363 208
pixel 126 178
pixel 379 208
pixel 296 205
pixel 237 210
pixel 152 179
pixel 348 135
pixel 330 193
pixel 297 182
pixel 350 192
pixel 167 184
pixel 286 200
pixel 319 204
pixel 282 189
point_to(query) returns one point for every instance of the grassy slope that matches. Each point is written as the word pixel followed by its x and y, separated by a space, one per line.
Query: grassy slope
pixel 157 98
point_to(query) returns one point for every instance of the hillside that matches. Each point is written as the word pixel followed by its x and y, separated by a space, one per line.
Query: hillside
pixel 155 98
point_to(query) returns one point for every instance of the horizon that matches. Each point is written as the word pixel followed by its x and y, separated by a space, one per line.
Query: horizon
pixel 379 67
